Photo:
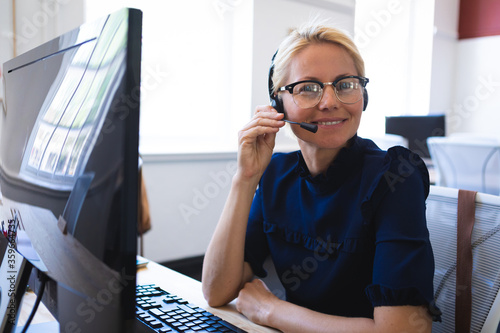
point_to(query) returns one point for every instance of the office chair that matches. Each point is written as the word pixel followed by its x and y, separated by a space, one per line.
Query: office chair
pixel 389 140
pixel 485 239
pixel 416 129
pixel 466 162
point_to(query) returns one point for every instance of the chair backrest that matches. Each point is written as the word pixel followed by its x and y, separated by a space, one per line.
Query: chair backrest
pixel 442 224
pixel 416 129
pixel 461 162
pixel 390 140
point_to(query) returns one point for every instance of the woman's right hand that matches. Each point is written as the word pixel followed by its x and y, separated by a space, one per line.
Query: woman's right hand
pixel 224 268
pixel 256 142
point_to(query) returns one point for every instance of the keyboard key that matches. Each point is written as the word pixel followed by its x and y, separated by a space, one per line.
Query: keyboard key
pixel 168 300
pixel 186 308
pixel 165 330
pixel 156 312
pixel 156 324
pixel 143 315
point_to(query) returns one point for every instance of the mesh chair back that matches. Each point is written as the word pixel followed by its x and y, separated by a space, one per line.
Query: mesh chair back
pixel 466 164
pixel 441 222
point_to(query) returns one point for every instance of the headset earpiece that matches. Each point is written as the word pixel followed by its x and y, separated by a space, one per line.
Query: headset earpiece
pixel 365 99
pixel 276 102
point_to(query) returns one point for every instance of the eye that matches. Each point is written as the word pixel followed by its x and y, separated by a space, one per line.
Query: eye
pixel 307 87
pixel 347 85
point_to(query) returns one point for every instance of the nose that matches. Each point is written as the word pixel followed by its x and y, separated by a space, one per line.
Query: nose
pixel 329 98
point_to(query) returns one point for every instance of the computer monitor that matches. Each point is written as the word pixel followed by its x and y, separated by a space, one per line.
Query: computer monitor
pixel 69 134
pixel 416 129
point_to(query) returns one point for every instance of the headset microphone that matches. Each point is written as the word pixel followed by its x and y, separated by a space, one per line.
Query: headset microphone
pixel 306 126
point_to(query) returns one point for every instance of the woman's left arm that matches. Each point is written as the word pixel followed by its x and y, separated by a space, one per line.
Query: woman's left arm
pixel 257 303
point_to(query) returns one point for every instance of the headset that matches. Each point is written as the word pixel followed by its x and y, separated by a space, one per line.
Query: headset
pixel 277 103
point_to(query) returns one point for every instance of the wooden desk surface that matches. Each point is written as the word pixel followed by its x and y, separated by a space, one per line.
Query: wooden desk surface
pixel 171 281
pixel 42 314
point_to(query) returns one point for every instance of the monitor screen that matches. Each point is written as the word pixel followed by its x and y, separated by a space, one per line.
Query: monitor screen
pixel 416 129
pixel 69 134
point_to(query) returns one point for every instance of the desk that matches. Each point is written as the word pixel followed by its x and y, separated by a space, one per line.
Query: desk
pixel 172 281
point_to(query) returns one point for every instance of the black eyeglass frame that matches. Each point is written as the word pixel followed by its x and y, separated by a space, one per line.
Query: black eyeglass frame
pixel 362 80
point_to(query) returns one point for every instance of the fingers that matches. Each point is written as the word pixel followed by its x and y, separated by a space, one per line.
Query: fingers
pixel 265 121
pixel 256 287
pixel 256 142
pixel 268 112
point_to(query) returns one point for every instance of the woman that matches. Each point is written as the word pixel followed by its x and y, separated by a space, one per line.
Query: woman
pixel 343 221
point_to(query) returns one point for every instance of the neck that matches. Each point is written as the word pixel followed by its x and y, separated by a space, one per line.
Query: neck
pixel 318 160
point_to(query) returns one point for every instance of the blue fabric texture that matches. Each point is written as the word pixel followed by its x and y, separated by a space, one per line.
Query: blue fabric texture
pixel 348 240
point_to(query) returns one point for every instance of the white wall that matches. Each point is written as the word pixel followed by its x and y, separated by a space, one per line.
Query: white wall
pixel 186 195
pixel 395 39
pixel 6 47
pixel 37 21
pixel 476 103
pixel 465 76
pixel 444 55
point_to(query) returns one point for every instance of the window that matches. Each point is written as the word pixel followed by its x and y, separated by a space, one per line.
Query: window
pixel 395 39
pixel 196 72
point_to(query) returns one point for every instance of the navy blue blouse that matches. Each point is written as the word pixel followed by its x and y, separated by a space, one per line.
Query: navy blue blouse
pixel 349 240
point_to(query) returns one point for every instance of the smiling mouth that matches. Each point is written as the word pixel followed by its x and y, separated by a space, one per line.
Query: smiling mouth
pixel 329 122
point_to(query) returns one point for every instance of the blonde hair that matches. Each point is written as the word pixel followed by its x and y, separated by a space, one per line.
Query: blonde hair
pixel 305 35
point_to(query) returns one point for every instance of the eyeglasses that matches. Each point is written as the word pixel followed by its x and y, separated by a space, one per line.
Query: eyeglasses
pixel 308 93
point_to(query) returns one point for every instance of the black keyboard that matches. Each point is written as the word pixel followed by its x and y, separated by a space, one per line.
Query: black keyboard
pixel 162 311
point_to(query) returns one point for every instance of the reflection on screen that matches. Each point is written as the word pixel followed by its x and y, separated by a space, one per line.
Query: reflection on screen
pixel 71 118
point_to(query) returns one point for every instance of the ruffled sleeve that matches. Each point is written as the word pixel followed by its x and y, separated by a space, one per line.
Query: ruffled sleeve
pixel 381 296
pixel 403 266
